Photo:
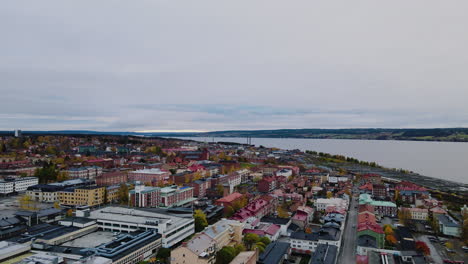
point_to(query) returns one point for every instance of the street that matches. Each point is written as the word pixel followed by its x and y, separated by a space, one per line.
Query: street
pixel 348 250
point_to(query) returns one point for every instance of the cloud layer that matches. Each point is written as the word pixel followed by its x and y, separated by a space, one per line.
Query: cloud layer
pixel 212 65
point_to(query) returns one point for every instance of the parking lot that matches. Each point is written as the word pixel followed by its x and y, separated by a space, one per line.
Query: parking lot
pixel 439 252
pixel 8 206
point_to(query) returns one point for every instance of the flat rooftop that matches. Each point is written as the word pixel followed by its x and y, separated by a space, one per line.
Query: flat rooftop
pixel 134 215
pixel 91 240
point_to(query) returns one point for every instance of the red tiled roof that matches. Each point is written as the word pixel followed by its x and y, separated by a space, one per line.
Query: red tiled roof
pixel 230 198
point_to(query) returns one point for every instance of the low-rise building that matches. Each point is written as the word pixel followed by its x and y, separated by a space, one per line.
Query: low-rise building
pixel 420 214
pixel 275 252
pixel 90 196
pixel 203 247
pixel 322 203
pixel 16 185
pixel 448 226
pixel 90 172
pixel 173 228
pixel 246 257
pixel 325 254
pixel 153 176
pixel 305 243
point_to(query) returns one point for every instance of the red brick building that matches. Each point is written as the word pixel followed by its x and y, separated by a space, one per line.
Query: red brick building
pixel 200 187
pixel 267 184
pixel 115 177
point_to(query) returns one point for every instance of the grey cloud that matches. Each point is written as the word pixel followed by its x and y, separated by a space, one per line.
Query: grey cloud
pixel 212 65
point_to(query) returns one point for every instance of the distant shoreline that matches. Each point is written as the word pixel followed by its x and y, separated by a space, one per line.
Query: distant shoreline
pixel 397 134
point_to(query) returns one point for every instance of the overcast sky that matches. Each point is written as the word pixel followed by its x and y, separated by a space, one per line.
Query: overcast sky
pixel 218 65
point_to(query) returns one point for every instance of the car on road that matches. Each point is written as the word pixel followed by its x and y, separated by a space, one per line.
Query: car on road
pixel 450 250
pixel 465 248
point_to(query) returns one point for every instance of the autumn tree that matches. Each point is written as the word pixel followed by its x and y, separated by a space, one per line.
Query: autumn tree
pixel 200 220
pixel 122 194
pixel 388 230
pixel 391 240
pixel 404 216
pixel 422 247
pixel 228 211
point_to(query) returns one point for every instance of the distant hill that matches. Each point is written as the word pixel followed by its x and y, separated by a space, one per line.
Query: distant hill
pixel 425 134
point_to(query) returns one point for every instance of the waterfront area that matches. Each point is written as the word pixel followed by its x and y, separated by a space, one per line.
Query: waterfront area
pixel 79 196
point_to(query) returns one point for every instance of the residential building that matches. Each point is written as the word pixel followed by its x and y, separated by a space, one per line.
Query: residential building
pixel 371 230
pixel 200 187
pixel 49 193
pixel 153 176
pixel 305 243
pixel 267 184
pixel 144 196
pixel 203 247
pixel 114 177
pixel 246 257
pixel 325 254
pixel 448 226
pixel 272 231
pixel 15 185
pixel 89 173
pixel 322 203
pixel 383 208
pixel 379 191
pixel 176 196
pixel 173 228
pixel 229 200
pixel 275 252
pixel 90 196
pixel 420 214
pixel 303 216
pixel 258 208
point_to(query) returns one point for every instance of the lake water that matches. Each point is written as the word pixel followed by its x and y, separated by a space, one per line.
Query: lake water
pixel 444 160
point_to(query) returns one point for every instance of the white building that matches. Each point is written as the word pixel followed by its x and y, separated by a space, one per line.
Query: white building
pixel 8 186
pixel 322 204
pixel 90 172
pixel 306 243
pixel 173 228
pixel 284 172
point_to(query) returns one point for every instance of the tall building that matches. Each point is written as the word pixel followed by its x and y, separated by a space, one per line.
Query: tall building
pixel 144 196
pixel 18 133
pixel 176 196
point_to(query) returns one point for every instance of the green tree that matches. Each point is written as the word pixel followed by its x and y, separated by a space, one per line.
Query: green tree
pixel 200 220
pixel 123 194
pixel 265 240
pixel 225 255
pixel 239 248
pixel 163 254
pixel 250 240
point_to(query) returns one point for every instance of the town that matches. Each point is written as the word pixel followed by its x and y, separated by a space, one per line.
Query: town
pixel 134 199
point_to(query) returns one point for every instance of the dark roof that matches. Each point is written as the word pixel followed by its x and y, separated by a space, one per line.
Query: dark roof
pixel 324 254
pixel 304 236
pixel 275 220
pixel 367 241
pixel 273 253
pixel 446 221
pixel 10 221
pixel 293 227
pixel 80 220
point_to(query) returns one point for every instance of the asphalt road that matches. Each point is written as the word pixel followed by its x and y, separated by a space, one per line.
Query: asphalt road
pixel 348 250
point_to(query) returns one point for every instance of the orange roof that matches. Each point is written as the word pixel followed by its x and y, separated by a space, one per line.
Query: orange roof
pixel 230 198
